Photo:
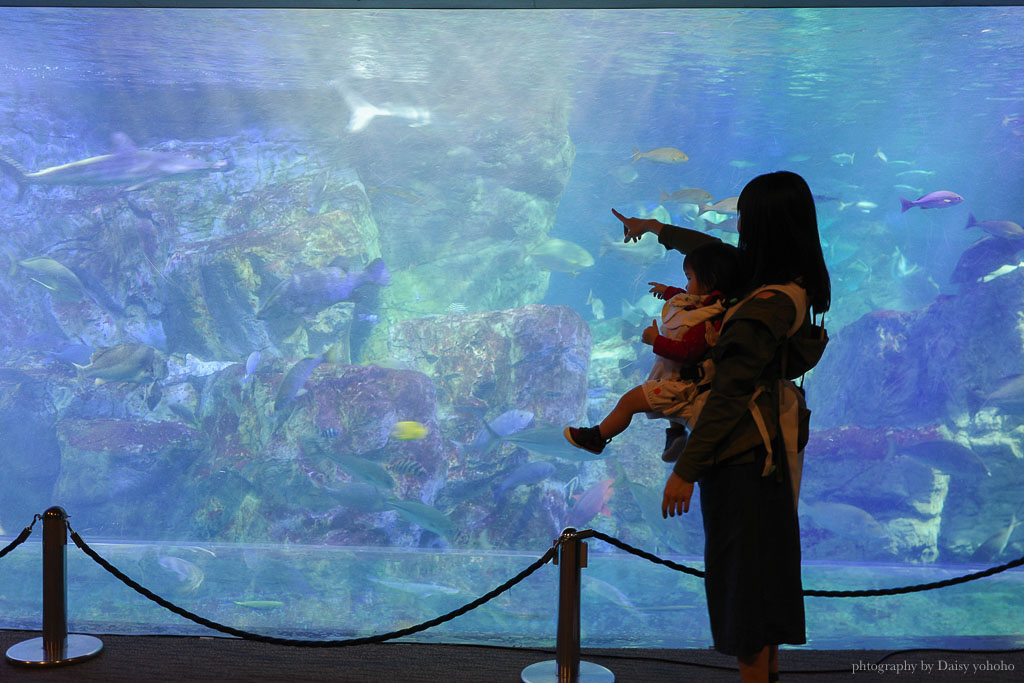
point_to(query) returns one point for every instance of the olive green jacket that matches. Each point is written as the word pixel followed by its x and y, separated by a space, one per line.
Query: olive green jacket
pixel 747 355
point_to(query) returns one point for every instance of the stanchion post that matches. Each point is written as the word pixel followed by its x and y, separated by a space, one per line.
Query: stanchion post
pixel 567 667
pixel 55 583
pixel 56 646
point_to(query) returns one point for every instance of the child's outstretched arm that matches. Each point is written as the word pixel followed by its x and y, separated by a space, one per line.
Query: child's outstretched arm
pixel 665 292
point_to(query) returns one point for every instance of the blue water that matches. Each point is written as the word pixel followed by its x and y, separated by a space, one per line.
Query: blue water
pixel 454 146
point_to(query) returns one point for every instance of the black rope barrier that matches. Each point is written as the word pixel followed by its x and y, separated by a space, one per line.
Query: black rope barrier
pixel 22 537
pixel 544 559
pixel 611 540
pixel 366 640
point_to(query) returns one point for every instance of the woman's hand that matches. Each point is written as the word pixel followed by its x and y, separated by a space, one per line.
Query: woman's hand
pixel 634 228
pixel 676 499
pixel 658 289
pixel 650 334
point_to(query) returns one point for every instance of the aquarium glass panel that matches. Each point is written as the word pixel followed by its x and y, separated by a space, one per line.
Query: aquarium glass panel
pixel 295 306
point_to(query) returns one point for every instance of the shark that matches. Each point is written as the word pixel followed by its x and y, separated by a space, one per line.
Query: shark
pixel 125 165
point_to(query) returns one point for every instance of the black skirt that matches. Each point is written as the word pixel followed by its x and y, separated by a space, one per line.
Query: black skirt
pixel 751 559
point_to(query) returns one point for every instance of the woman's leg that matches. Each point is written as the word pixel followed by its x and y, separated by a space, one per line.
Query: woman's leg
pixel 632 402
pixel 754 667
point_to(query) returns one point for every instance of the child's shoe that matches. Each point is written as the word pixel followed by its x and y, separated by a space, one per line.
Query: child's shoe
pixel 587 438
pixel 675 442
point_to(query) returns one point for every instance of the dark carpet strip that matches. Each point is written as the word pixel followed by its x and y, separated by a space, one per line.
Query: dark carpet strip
pixel 154 659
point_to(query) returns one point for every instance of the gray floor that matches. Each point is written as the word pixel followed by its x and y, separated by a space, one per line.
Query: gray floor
pixel 153 659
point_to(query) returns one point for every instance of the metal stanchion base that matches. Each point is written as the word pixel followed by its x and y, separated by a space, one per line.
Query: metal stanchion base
pixel 547 672
pixel 77 648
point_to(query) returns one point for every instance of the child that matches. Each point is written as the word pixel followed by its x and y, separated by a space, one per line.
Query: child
pixel 690 320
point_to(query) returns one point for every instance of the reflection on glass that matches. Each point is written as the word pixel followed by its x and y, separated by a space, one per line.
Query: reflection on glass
pixel 297 303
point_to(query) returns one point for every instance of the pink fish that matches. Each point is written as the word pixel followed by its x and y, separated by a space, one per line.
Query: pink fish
pixel 933 200
pixel 591 502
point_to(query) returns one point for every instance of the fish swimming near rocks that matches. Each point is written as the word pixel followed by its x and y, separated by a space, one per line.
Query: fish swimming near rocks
pixel 293 380
pixel 363 470
pixel 842 519
pixel 126 165
pixel 948 456
pixel 995 544
pixel 75 352
pixel 1005 229
pixel 933 200
pixel 661 155
pixel 407 467
pixel 985 256
pixel 526 474
pixel 409 430
pixel 548 440
pixel 131 363
pixel 509 422
pixel 423 516
pixel 311 291
pixel 562 256
pixel 57 278
pixel 251 363
pixel 591 502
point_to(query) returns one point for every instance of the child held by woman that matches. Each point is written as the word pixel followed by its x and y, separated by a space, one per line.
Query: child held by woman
pixel 690 321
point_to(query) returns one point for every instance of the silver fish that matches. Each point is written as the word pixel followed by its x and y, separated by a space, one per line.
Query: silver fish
pixel 251 363
pixel 364 470
pixel 56 277
pixel 417 588
pixel 995 544
pixel 424 516
pixel 947 456
pixel 293 380
pixel 562 256
pixel 661 155
pixel 848 521
pixel 134 363
pixel 525 475
pixel 549 440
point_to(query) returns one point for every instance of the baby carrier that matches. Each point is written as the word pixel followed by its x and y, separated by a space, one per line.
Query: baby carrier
pixel 801 351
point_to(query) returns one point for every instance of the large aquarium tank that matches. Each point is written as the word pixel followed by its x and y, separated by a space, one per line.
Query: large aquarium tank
pixel 295 305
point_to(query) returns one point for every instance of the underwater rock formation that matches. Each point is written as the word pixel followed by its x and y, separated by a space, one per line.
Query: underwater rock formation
pixel 918 367
pixel 942 481
pixel 119 476
pixel 530 358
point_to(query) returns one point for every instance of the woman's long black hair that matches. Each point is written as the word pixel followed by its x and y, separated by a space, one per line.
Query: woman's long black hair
pixel 779 239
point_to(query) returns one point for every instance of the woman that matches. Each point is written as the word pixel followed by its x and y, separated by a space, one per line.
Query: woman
pixel 752 537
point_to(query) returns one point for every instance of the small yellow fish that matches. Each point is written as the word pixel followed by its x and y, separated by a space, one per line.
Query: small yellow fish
pixel 409 430
pixel 661 155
